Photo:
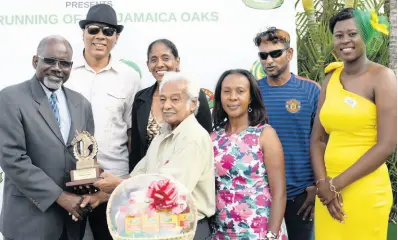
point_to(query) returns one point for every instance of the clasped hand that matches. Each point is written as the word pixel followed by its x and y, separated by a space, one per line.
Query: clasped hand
pixel 332 200
pixel 71 203
pixel 75 204
pixel 108 183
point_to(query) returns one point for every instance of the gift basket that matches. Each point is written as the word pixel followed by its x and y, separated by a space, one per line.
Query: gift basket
pixel 151 206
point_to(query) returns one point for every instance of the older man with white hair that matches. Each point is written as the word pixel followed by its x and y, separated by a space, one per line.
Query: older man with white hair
pixel 182 150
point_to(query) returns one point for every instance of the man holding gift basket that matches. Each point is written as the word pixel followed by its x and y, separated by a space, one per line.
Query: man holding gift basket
pixel 182 150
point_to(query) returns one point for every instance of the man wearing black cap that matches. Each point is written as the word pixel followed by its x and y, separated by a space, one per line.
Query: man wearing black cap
pixel 110 85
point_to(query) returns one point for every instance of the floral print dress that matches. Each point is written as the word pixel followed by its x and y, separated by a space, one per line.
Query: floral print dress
pixel 243 195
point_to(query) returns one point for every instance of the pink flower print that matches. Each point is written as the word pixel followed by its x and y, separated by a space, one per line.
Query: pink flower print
pixel 247 158
pixel 283 237
pixel 230 225
pixel 261 235
pixel 261 200
pixel 224 141
pixel 215 151
pixel 255 168
pixel 235 215
pixel 213 136
pixel 220 171
pixel 238 197
pixel 219 236
pixel 226 196
pixel 243 147
pixel 239 180
pixel 243 210
pixel 259 224
pixel 257 178
pixel 222 215
pixel 231 234
pixel 220 204
pixel 251 139
pixel 247 191
pixel 267 193
pixel 260 154
pixel 227 161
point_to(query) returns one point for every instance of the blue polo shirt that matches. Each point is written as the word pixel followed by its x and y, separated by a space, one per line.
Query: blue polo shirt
pixel 291 110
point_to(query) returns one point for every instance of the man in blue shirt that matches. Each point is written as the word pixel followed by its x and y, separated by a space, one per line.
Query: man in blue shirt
pixel 291 102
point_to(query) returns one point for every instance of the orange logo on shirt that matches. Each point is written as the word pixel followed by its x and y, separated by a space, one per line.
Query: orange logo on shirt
pixel 293 105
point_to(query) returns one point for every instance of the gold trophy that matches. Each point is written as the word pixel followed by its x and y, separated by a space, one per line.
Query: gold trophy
pixel 87 171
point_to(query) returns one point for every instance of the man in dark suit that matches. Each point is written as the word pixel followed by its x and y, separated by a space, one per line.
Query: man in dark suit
pixel 39 120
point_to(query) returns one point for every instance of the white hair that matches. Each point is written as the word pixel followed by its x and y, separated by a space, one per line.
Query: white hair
pixel 192 89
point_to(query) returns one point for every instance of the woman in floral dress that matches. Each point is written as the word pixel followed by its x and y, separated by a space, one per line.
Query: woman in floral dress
pixel 249 165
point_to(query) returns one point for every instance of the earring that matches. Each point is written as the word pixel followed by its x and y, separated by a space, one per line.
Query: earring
pixel 249 109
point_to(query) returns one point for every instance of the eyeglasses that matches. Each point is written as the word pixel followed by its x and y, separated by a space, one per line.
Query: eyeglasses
pixel 107 31
pixel 53 61
pixel 273 54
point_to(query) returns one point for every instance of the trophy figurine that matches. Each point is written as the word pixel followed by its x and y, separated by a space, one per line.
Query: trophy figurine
pixel 87 171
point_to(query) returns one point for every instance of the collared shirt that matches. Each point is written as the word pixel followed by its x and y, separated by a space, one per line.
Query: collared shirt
pixel 186 154
pixel 111 92
pixel 64 115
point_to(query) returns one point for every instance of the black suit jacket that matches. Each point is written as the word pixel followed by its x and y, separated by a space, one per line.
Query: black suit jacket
pixel 140 115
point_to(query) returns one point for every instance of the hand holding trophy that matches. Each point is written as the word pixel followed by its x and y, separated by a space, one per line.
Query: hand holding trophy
pixel 87 171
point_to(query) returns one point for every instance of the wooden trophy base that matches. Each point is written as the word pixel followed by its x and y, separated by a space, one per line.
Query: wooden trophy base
pixel 82 180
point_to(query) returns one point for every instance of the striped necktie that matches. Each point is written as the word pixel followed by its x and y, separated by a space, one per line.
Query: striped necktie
pixel 54 108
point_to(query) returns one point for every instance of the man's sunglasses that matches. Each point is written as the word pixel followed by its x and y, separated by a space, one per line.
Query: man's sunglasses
pixel 273 54
pixel 107 31
pixel 53 61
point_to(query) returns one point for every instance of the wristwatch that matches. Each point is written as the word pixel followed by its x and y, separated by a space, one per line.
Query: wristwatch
pixel 271 235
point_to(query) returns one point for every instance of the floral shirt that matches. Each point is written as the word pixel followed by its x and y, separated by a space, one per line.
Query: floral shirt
pixel 243 198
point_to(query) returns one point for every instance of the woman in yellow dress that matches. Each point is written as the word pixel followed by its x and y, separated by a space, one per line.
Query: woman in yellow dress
pixel 353 135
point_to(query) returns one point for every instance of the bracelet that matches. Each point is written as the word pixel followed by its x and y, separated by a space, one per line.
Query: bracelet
pixel 319 181
pixel 271 235
pixel 332 188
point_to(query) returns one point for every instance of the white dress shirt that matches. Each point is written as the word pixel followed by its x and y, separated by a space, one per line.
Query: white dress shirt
pixel 111 92
pixel 63 110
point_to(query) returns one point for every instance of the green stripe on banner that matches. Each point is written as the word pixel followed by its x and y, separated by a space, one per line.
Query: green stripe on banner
pixel 263 4
pixel 132 65
pixel 257 70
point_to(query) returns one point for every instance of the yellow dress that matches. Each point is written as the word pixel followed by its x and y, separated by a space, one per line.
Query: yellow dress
pixel 350 121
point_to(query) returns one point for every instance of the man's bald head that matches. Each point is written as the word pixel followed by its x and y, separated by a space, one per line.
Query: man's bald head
pixel 53 61
pixel 53 39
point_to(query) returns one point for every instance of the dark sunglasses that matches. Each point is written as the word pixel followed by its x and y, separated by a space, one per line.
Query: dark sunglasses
pixel 273 54
pixel 53 61
pixel 107 31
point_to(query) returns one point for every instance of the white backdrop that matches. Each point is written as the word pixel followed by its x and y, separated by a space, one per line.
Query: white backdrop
pixel 211 35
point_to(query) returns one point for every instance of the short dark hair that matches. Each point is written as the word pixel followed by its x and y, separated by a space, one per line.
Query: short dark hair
pixel 273 35
pixel 256 116
pixel 346 13
pixel 166 42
